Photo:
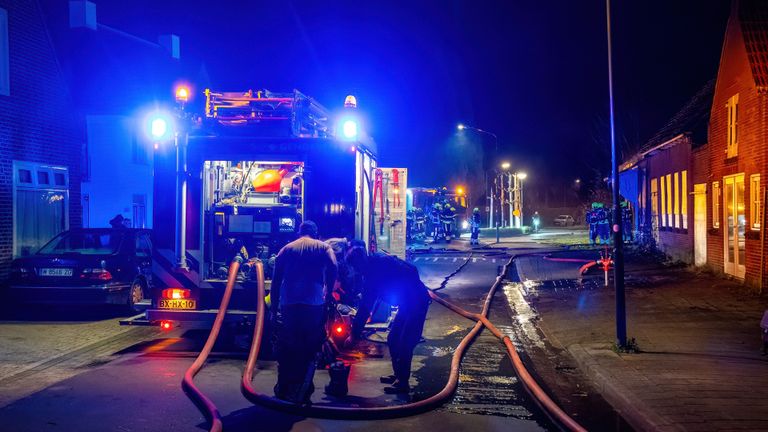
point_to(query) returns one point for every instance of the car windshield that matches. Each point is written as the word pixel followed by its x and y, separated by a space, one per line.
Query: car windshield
pixel 85 243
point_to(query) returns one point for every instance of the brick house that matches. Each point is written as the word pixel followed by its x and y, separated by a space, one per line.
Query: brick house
pixel 41 140
pixel 116 79
pixel 658 182
pixel 737 153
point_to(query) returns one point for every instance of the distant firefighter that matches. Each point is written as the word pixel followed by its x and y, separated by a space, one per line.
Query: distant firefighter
pixel 626 221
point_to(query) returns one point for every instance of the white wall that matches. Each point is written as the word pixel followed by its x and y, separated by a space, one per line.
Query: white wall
pixel 114 177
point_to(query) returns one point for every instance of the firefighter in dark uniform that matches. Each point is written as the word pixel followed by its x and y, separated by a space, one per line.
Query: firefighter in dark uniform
pixel 474 224
pixel 305 271
pixel 395 282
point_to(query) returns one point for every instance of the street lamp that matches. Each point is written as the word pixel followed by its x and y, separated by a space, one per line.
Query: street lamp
pixel 505 165
pixel 462 127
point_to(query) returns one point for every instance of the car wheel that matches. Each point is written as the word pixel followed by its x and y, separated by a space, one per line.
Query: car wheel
pixel 136 294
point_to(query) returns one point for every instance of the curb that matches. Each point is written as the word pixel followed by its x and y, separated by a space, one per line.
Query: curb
pixel 628 405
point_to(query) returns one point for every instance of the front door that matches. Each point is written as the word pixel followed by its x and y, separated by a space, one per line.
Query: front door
pixel 700 224
pixel 735 225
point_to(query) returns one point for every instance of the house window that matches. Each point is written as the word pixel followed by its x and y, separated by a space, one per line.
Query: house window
pixel 669 200
pixel 654 199
pixel 5 79
pixel 676 208
pixel 716 204
pixel 40 207
pixel 684 202
pixel 732 142
pixel 663 202
pixel 755 201
pixel 139 211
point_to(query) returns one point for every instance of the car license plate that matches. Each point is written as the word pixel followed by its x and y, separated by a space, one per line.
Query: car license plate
pixel 61 272
pixel 177 304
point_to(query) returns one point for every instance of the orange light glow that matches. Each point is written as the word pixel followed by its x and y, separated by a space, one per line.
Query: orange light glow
pixel 166 325
pixel 339 329
pixel 182 94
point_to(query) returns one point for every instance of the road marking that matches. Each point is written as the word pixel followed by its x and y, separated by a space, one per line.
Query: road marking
pixel 416 259
pixel 454 260
pixel 494 260
pixel 435 259
pixel 474 260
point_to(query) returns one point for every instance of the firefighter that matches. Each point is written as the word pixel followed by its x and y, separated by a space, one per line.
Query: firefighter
pixel 474 224
pixel 396 282
pixel 305 270
pixel 626 221
pixel 434 219
pixel 593 219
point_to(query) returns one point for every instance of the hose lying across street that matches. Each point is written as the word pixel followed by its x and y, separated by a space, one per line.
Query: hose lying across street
pixel 358 413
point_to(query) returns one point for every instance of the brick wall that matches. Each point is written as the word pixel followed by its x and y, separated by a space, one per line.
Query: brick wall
pixel 675 157
pixel 36 120
pixel 734 76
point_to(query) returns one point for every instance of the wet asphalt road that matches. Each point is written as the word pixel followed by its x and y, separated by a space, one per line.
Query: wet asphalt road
pixel 130 381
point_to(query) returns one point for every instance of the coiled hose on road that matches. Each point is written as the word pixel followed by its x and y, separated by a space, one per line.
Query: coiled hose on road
pixel 350 413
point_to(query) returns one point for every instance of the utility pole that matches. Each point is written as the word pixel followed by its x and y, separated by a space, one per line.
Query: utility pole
pixel 510 187
pixel 618 241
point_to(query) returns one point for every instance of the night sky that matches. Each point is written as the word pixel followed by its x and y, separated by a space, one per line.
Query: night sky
pixel 534 73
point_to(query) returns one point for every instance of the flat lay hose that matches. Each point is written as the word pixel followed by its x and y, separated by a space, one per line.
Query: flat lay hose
pixel 364 413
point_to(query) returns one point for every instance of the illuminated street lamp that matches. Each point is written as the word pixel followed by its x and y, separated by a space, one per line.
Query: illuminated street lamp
pixel 489 193
pixel 182 94
pixel 505 165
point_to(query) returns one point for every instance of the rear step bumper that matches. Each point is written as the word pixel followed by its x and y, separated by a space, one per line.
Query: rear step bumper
pixel 189 319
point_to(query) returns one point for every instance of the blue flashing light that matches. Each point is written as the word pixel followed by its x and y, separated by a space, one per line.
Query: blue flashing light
pixel 349 129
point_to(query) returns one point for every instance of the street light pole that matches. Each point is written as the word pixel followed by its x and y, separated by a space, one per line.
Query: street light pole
pixel 618 241
pixel 488 191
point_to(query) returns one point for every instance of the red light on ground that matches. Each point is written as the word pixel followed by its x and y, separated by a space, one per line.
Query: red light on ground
pixel 166 325
pixel 339 329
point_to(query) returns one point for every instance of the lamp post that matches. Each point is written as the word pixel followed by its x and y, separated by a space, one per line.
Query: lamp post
pixel 462 127
pixel 618 241
pixel 519 177
pixel 510 193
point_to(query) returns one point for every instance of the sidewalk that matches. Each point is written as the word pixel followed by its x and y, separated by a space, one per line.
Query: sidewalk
pixel 699 367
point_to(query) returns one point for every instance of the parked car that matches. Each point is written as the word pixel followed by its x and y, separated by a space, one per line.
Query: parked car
pixel 86 266
pixel 564 220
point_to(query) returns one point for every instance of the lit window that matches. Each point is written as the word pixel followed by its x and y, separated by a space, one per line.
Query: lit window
pixel 755 201
pixel 732 140
pixel 716 204
pixel 684 202
pixel 655 199
pixel 676 208
pixel 669 200
pixel 663 202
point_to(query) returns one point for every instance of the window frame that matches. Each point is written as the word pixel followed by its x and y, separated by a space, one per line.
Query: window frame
pixel 35 186
pixel 732 127
pixel 755 202
pixel 663 201
pixel 716 192
pixel 684 198
pixel 676 208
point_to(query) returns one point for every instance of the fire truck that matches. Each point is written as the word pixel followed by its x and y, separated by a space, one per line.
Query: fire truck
pixel 239 179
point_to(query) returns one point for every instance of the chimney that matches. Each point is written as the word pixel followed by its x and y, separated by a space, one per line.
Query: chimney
pixel 171 43
pixel 82 14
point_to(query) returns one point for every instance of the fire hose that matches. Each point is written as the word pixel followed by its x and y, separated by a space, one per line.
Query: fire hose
pixel 356 413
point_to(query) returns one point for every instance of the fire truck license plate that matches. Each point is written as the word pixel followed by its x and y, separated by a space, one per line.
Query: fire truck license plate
pixel 177 304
